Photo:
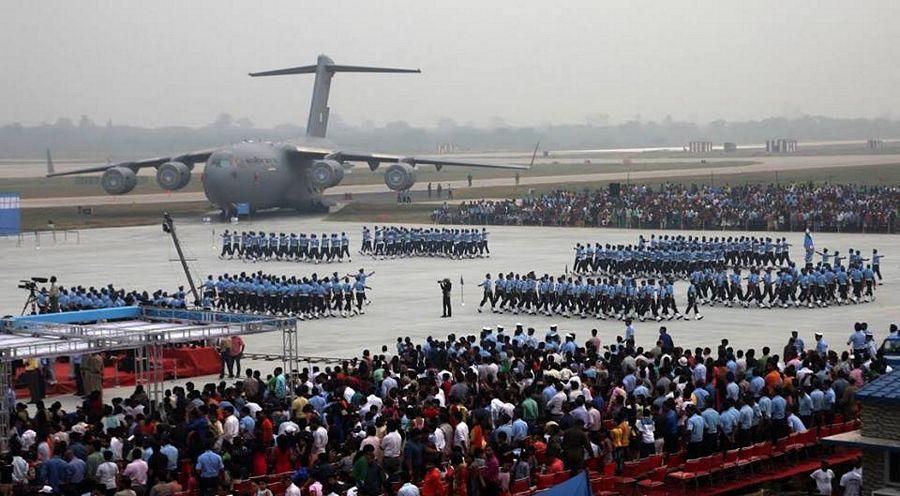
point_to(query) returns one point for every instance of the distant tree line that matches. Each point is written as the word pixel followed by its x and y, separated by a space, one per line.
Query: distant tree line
pixel 85 138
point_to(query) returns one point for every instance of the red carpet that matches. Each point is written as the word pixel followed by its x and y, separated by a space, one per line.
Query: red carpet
pixel 177 363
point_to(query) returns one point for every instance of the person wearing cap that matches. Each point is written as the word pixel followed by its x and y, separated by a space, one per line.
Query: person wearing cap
pixel 629 330
pixel 446 287
pixel 821 345
pixel 799 345
pixel 667 344
pixel 551 333
pixel 871 347
pixel 486 286
pixel 857 341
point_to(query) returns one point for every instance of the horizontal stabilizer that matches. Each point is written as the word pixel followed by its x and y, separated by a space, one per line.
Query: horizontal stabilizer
pixel 325 69
pixel 311 69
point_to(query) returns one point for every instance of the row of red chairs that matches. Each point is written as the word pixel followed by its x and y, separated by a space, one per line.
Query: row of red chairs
pixel 654 475
pixel 752 459
pixel 646 475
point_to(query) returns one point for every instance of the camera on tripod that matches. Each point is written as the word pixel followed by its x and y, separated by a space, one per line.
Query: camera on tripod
pixel 31 284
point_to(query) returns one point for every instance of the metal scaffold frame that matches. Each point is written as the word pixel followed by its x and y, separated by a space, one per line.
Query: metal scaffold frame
pixel 290 341
pixel 146 330
pixel 5 383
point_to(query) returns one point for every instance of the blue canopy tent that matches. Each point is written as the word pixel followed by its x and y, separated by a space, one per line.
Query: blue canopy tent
pixel 576 486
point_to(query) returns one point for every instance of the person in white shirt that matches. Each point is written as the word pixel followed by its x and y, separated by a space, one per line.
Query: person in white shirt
pixel 646 427
pixel 27 439
pixel 795 424
pixel 288 426
pixel 408 489
pixel 851 482
pixel 823 477
pixel 320 438
pixel 254 408
pixel 116 445
pixel 461 433
pixel 136 470
pixel 554 406
pixel 107 472
pixel 19 470
pixel 391 445
pixel 292 490
pixel 231 427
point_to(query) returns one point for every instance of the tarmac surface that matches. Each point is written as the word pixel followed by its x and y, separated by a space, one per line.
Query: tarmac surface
pixel 405 297
pixel 764 164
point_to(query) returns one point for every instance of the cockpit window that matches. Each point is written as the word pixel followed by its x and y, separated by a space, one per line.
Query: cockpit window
pixel 222 161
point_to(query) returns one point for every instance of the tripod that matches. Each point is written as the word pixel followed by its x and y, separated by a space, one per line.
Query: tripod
pixel 31 300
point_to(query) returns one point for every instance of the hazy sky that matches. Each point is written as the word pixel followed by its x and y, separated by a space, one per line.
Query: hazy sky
pixel 166 62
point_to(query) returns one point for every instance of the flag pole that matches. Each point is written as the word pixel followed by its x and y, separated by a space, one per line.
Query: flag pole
pixel 462 294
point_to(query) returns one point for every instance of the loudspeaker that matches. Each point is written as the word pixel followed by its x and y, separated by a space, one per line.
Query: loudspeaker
pixel 615 189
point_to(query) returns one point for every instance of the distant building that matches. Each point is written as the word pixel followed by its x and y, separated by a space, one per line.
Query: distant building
pixel 729 147
pixel 874 144
pixel 781 145
pixel 700 146
pixel 443 148
pixel 879 436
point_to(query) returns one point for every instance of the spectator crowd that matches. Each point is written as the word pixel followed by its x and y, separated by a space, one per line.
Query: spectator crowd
pixel 467 414
pixel 778 207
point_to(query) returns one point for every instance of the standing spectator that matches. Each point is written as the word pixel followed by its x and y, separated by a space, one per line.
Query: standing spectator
pixel 210 468
pixel 823 477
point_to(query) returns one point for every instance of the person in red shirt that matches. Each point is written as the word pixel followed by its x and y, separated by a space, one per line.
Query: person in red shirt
pixel 283 455
pixel 258 464
pixel 554 465
pixel 266 430
pixel 432 484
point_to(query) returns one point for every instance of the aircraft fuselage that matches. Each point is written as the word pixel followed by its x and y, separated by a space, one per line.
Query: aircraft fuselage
pixel 263 175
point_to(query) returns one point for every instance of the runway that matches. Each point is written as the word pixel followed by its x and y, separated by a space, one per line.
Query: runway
pixel 765 164
pixel 406 297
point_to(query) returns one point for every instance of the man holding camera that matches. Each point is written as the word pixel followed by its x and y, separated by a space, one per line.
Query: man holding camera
pixel 446 287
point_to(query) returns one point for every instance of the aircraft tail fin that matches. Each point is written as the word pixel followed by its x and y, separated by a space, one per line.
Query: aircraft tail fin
pixel 50 168
pixel 533 155
pixel 324 69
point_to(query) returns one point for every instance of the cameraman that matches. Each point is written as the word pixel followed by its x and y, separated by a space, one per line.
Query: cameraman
pixel 54 295
pixel 446 286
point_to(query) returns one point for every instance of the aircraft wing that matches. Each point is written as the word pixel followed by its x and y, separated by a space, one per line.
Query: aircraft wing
pixel 373 159
pixel 193 157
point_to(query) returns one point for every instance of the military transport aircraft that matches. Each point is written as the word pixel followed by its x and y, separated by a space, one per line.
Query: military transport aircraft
pixel 262 175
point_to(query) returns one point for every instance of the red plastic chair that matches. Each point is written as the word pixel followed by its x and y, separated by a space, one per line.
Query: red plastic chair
pixel 545 480
pixel 675 461
pixel 609 470
pixel 631 469
pixel 595 464
pixel 603 486
pixel 560 477
pixel 654 484
pixel 243 487
pixel 518 486
pixel 654 461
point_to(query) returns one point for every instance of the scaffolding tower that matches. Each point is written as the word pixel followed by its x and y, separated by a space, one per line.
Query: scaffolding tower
pixel 145 330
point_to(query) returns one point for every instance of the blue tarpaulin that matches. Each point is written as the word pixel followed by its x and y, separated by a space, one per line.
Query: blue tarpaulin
pixel 10 213
pixel 576 486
